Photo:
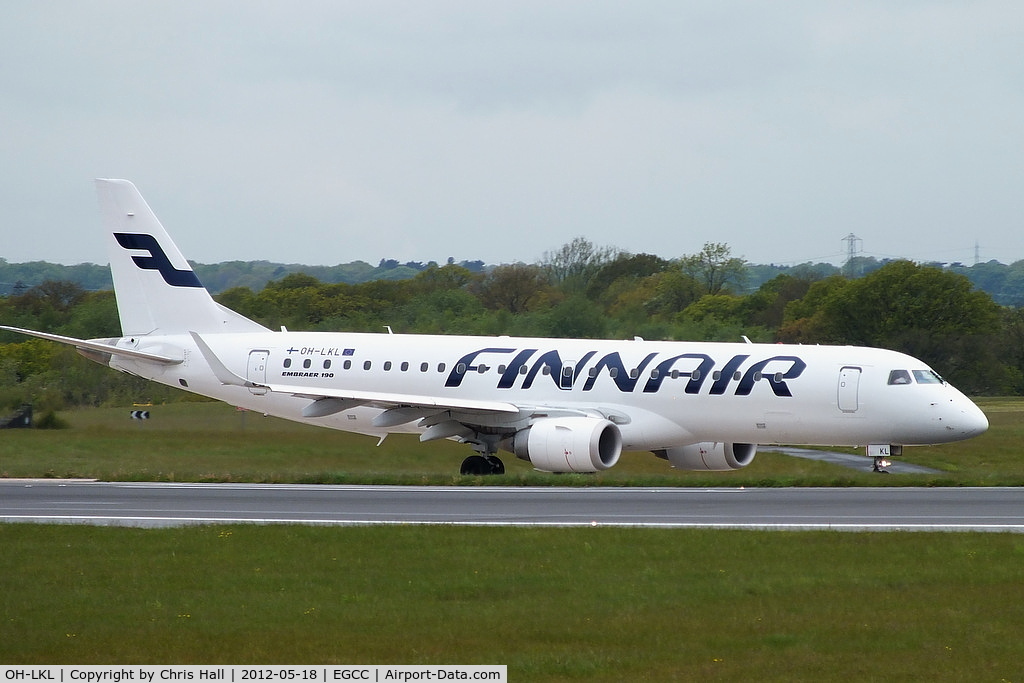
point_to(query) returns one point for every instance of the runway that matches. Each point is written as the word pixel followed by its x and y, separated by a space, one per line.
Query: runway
pixel 849 509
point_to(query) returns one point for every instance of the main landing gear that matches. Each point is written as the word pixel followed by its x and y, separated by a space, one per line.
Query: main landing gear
pixel 480 465
pixel 485 462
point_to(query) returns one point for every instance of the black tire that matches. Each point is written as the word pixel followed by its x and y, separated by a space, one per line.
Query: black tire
pixel 475 466
pixel 481 466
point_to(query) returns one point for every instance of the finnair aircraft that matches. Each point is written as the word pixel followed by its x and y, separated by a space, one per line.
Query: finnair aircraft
pixel 565 405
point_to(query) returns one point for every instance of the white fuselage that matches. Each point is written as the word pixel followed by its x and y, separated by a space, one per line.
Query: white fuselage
pixel 659 394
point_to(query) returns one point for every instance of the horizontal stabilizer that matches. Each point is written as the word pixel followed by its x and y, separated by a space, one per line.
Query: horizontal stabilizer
pixel 101 347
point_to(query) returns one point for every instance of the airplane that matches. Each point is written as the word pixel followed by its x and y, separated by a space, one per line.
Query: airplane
pixel 564 405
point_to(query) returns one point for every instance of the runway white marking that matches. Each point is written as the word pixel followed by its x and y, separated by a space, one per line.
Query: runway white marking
pixel 887 509
pixel 154 522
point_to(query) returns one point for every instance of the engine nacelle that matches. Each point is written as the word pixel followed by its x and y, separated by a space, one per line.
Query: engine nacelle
pixel 711 457
pixel 569 444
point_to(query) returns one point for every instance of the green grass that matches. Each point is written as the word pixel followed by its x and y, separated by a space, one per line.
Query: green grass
pixel 553 604
pixel 585 604
pixel 214 442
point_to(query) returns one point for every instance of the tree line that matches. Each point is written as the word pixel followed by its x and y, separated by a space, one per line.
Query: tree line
pixel 1005 283
pixel 579 290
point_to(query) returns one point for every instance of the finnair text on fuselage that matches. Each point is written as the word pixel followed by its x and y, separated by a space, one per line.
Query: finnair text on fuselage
pixel 524 365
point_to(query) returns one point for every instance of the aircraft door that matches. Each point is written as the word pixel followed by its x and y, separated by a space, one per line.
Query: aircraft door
pixel 849 388
pixel 257 370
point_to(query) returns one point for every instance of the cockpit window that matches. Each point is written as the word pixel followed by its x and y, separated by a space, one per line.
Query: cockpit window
pixel 927 377
pixel 899 377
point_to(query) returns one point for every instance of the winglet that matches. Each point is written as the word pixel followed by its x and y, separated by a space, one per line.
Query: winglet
pixel 219 369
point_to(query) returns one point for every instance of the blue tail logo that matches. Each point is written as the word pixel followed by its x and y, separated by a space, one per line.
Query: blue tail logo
pixel 157 259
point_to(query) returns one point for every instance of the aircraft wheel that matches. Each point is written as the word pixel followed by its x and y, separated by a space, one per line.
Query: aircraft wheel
pixel 475 466
pixel 495 463
pixel 480 465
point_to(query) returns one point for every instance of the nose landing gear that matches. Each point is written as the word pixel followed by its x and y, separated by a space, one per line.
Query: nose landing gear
pixel 881 454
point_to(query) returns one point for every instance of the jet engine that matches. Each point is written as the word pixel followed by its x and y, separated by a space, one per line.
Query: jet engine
pixel 708 456
pixel 568 444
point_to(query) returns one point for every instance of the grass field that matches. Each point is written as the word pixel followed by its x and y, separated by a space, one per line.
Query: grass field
pixel 553 604
pixel 585 604
pixel 214 442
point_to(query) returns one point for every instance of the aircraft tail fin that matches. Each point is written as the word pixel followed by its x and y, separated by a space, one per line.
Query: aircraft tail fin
pixel 157 292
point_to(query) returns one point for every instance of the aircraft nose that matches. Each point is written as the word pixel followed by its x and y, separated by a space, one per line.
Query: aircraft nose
pixel 966 419
pixel 975 422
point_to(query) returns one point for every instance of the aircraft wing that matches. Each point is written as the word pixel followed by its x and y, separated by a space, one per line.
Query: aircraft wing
pixel 96 346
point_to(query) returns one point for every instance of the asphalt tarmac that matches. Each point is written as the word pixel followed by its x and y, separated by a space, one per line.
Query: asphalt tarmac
pixel 848 509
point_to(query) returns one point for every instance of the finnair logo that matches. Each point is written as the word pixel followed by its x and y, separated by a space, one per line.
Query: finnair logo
pixel 157 259
pixel 648 376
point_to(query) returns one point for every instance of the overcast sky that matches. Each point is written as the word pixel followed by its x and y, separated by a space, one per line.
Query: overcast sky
pixel 325 132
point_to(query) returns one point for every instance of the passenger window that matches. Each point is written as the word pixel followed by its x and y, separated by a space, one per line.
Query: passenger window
pixel 366 365
pixel 405 366
pixel 424 367
pixel 287 362
pixel 899 377
pixel 327 365
pixel 387 365
pixel 347 365
pixel 306 363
